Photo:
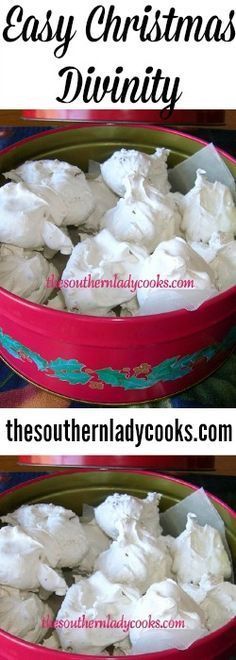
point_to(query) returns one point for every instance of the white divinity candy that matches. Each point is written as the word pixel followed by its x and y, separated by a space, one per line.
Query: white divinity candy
pixel 22 563
pixel 144 216
pixel 198 551
pixel 120 507
pixel 57 529
pixel 25 220
pixel 208 251
pixel 51 642
pixel 166 601
pixel 129 161
pixel 67 181
pixel 172 263
pixel 122 648
pixel 57 302
pixel 207 208
pixel 129 309
pixel 224 266
pixel 95 598
pixel 97 311
pixel 21 614
pixel 136 559
pixel 101 257
pixel 24 273
pixel 57 208
pixel 198 592
pixel 219 605
pixel 104 200
pixel 97 543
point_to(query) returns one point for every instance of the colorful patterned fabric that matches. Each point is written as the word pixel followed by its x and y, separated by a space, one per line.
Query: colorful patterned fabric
pixel 217 391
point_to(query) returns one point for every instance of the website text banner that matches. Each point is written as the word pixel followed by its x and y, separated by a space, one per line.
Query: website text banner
pixel 118 432
pixel 126 55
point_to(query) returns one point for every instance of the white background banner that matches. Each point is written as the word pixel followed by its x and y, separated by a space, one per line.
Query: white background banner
pixel 116 432
pixel 55 51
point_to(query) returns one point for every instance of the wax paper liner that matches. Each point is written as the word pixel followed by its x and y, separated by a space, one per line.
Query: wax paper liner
pixel 94 169
pixel 87 513
pixel 182 176
pixel 173 521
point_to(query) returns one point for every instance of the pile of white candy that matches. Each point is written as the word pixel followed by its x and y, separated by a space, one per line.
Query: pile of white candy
pixel 122 566
pixel 132 225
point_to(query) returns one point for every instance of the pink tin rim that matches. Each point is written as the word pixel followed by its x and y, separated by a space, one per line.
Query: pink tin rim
pixel 146 656
pixel 178 314
pixel 182 313
pixel 83 470
pixel 151 127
